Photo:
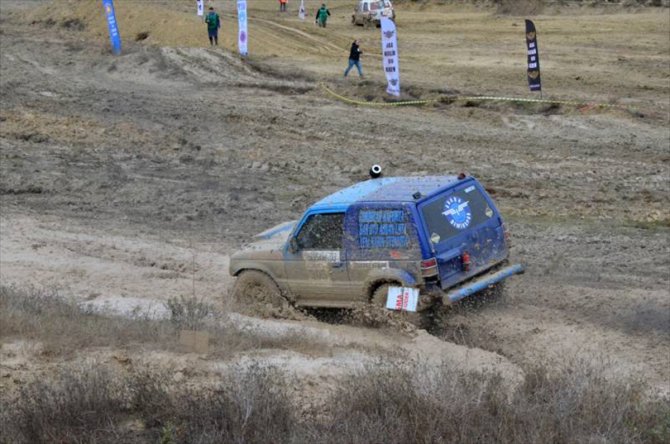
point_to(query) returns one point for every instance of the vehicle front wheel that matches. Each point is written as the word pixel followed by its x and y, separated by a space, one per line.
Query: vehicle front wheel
pixel 255 289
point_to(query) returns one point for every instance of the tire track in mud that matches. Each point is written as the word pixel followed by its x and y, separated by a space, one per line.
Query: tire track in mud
pixel 305 39
pixel 530 335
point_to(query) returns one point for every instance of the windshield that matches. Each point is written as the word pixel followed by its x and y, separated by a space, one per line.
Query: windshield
pixel 376 5
pixel 455 212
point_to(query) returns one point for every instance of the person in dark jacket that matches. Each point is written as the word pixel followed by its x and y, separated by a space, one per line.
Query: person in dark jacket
pixel 354 59
pixel 322 16
pixel 213 25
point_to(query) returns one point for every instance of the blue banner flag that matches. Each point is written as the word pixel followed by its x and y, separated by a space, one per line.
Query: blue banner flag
pixel 114 35
pixel 533 58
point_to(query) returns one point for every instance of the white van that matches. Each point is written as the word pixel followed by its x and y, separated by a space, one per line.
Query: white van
pixel 370 12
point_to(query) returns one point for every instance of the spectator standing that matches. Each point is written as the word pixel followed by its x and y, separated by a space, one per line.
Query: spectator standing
pixel 213 22
pixel 354 59
pixel 322 15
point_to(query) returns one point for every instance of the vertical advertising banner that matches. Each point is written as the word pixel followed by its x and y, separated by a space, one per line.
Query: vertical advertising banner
pixel 201 7
pixel 301 11
pixel 533 58
pixel 114 35
pixel 390 56
pixel 242 36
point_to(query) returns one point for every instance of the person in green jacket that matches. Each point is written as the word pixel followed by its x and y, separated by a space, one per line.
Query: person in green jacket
pixel 322 16
pixel 213 25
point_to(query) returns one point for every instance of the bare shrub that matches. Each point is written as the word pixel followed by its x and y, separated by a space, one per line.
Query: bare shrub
pixel 400 404
pixel 95 405
pixel 188 312
pixel 251 407
pixel 390 402
pixel 79 405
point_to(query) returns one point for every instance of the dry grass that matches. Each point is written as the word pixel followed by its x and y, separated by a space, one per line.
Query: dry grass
pixel 64 327
pixel 392 402
pixel 573 404
pixel 388 403
pixel 93 404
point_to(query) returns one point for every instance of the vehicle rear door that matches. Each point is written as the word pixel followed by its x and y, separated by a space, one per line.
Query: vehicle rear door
pixel 459 220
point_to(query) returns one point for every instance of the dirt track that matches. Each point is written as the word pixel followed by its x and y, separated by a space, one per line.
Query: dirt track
pixel 133 178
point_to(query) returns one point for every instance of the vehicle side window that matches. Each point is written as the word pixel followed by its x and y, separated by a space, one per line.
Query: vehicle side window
pixel 365 7
pixel 322 232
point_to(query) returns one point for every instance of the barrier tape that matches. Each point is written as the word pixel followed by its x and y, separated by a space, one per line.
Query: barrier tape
pixel 470 98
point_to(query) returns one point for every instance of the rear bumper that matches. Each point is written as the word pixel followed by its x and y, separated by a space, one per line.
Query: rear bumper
pixel 481 283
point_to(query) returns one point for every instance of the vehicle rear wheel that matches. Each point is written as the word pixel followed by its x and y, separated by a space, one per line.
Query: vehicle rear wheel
pixel 256 288
pixel 379 297
pixel 380 294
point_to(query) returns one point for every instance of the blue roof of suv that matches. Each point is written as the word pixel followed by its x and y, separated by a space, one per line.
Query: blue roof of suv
pixel 386 189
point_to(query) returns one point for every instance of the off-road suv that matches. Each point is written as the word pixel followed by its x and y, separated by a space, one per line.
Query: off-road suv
pixel 371 12
pixel 442 235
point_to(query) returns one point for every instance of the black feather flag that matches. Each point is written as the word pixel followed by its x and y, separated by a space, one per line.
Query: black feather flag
pixel 533 58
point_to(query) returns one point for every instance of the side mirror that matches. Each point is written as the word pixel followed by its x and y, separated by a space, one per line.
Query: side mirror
pixel 293 245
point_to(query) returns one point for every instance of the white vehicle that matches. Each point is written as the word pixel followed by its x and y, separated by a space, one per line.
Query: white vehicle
pixel 370 12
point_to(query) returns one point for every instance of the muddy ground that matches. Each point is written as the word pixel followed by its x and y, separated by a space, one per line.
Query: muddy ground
pixel 129 180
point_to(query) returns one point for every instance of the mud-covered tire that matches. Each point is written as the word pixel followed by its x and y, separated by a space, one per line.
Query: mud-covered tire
pixel 379 296
pixel 256 287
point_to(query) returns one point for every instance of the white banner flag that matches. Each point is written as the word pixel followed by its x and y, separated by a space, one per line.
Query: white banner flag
pixel 301 11
pixel 242 36
pixel 201 7
pixel 390 56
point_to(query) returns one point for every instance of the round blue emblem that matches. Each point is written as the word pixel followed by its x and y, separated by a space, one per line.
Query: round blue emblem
pixel 457 212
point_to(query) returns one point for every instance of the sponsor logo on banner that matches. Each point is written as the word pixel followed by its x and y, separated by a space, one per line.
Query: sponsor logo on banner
pixel 534 82
pixel 457 212
pixel 242 36
pixel 402 298
pixel 390 56
pixel 201 7
pixel 114 36
pixel 301 11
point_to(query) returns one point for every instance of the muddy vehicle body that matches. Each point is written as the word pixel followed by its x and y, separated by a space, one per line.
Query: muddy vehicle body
pixel 442 235
pixel 371 12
